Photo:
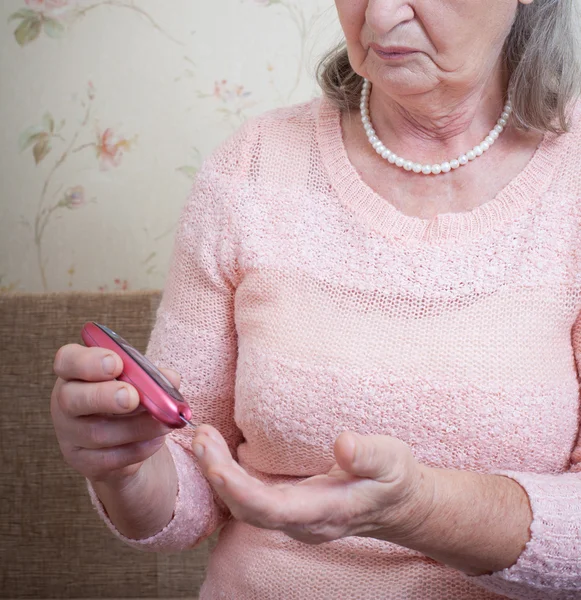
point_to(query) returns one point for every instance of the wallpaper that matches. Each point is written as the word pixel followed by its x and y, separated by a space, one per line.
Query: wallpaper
pixel 108 107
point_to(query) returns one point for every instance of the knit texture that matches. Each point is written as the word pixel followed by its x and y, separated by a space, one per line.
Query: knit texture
pixel 300 304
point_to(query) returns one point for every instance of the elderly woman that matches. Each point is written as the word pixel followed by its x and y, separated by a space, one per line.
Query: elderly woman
pixel 373 306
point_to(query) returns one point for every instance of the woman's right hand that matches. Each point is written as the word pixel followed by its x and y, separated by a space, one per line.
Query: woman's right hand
pixel 102 430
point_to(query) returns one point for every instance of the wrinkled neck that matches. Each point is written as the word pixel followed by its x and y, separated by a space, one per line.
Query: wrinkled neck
pixel 442 123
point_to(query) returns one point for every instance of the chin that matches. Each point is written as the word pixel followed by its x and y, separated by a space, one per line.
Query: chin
pixel 407 79
pixel 402 80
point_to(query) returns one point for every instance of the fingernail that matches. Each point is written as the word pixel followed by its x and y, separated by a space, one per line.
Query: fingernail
pixel 122 397
pixel 216 479
pixel 109 364
pixel 198 450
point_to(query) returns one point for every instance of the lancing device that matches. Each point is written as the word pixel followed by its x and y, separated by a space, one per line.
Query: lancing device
pixel 156 392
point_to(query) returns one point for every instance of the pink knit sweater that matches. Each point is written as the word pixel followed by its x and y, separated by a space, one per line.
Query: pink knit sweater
pixel 300 304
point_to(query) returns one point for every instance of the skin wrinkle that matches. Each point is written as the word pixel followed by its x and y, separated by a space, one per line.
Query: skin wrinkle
pixel 420 108
pixel 437 105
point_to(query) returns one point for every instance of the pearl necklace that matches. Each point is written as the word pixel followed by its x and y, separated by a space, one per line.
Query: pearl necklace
pixel 416 167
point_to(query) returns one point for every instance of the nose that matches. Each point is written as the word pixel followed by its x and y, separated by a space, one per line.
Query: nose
pixel 384 15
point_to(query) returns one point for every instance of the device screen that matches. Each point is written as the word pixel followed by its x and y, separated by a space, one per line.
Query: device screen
pixel 144 363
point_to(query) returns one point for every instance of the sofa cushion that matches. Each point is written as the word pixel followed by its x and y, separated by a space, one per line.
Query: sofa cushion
pixel 52 542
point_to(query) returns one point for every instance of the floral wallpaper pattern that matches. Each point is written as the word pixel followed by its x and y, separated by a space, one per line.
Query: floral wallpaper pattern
pixel 108 108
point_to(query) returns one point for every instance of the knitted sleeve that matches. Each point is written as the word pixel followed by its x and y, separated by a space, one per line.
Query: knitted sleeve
pixel 195 334
pixel 549 568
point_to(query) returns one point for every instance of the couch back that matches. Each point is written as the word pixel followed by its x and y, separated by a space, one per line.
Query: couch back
pixel 52 542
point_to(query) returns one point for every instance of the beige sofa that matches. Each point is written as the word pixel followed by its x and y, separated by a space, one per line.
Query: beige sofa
pixel 52 542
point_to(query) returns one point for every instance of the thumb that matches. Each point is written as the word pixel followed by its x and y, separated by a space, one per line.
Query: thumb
pixel 378 457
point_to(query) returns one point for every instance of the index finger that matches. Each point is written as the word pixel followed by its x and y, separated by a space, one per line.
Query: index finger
pixel 74 361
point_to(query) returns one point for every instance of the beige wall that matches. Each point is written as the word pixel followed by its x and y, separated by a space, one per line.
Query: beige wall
pixel 107 108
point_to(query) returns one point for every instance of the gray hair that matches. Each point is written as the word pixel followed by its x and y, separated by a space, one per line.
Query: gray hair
pixel 542 55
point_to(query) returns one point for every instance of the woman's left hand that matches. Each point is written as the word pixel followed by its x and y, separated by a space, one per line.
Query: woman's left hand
pixel 375 489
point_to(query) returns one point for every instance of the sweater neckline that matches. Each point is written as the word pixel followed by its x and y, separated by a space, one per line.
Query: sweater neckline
pixel 382 216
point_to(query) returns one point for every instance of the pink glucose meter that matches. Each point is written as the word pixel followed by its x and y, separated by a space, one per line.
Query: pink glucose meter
pixel 156 392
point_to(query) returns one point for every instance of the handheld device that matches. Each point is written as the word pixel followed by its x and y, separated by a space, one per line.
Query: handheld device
pixel 156 392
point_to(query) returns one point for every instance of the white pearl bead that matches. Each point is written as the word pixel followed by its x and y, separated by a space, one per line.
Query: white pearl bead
pixel 463 159
pixel 494 134
pixel 446 167
pixel 477 150
pixel 455 163
pixel 498 128
pixel 470 155
pixel 385 154
pixel 380 149
pixel 485 145
pixel 427 169
pixel 489 140
pixel 436 169
pixel 373 139
pixel 368 127
pixel 407 165
pixel 377 145
pixel 502 122
pixel 505 115
pixel 399 161
pixel 417 168
pixel 392 158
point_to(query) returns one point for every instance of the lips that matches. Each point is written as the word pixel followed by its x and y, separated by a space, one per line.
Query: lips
pixel 393 50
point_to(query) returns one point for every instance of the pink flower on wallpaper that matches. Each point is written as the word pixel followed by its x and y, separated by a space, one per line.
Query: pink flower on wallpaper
pixel 110 148
pixel 75 197
pixel 48 5
pixel 121 285
pixel 230 92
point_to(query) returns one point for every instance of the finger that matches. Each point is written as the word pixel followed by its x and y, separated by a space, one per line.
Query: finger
pixel 80 398
pixel 282 507
pixel 345 450
pixel 249 499
pixel 95 432
pixel 74 361
pixel 210 453
pixel 174 377
pixel 213 434
pixel 100 464
pixel 380 457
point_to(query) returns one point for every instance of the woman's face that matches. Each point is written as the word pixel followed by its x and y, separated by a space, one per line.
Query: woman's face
pixel 455 43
